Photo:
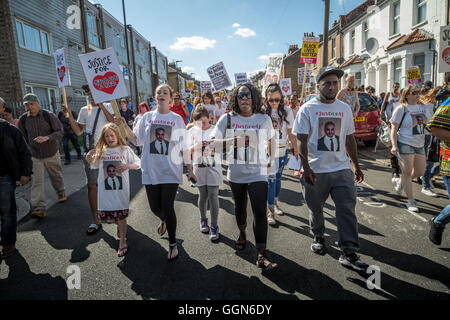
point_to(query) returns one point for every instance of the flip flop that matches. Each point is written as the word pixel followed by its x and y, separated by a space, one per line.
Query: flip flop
pixel 95 227
pixel 122 251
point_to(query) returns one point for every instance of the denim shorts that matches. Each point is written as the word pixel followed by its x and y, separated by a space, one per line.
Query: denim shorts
pixel 407 149
pixel 91 174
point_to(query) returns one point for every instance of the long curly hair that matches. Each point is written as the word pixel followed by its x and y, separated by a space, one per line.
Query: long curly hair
pixel 101 146
pixel 272 88
pixel 256 99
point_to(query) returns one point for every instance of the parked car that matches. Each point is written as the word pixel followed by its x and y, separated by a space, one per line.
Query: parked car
pixel 366 123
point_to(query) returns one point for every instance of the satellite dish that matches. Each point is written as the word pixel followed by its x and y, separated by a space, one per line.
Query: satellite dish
pixel 372 45
pixel 340 60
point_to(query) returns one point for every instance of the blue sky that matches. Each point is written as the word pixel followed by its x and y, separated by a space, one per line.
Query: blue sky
pixel 239 33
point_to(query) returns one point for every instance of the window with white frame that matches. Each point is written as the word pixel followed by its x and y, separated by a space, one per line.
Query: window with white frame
pixel 421 7
pixel 92 29
pixel 419 60
pixel 32 38
pixel 365 33
pixel 357 79
pixel 333 47
pixel 352 42
pixel 396 18
pixel 397 70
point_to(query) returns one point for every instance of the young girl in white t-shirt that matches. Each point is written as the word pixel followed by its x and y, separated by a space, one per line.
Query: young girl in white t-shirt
pixel 113 157
pixel 207 170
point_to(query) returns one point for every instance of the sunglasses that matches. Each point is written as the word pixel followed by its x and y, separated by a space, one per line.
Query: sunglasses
pixel 242 95
pixel 276 100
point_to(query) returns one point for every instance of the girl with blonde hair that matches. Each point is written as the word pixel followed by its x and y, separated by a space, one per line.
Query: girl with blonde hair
pixel 113 157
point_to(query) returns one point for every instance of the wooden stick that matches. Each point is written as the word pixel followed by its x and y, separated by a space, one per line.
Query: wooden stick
pixel 117 116
pixel 304 81
pixel 65 101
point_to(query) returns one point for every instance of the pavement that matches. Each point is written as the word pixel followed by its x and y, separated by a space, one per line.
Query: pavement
pixel 392 239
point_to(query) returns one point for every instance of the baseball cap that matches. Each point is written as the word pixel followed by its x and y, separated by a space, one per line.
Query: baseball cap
pixel 428 84
pixel 30 98
pixel 323 72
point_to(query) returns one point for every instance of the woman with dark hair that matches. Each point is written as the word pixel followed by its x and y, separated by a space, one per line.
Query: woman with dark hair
pixel 179 108
pixel 282 120
pixel 209 103
pixel 251 134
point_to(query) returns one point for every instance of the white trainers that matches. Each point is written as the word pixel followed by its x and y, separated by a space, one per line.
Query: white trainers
pixel 412 206
pixel 429 193
pixel 277 210
pixel 271 218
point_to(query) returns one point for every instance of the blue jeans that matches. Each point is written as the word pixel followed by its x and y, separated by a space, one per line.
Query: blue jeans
pixel 444 217
pixel 274 187
pixel 430 168
pixel 74 139
pixel 8 211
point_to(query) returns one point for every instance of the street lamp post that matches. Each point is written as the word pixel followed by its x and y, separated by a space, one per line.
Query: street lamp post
pixel 128 52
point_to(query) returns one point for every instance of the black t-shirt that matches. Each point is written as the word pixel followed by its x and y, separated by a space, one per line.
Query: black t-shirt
pixel 128 115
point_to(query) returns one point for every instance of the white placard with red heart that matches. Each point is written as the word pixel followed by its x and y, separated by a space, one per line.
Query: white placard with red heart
pixel 62 71
pixel 286 86
pixel 103 75
pixel 273 70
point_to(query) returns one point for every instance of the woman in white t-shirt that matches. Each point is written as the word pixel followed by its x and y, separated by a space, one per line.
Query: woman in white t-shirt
pixel 408 141
pixel 162 134
pixel 207 169
pixel 249 131
pixel 209 103
pixel 113 157
pixel 220 108
pixel 282 121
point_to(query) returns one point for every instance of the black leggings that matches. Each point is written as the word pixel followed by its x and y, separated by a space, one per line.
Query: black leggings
pixel 161 198
pixel 257 191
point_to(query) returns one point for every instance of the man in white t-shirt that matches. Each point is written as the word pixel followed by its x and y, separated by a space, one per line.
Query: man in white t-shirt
pixel 326 165
pixel 89 117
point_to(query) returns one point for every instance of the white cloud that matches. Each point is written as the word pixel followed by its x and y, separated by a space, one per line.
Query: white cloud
pixel 264 59
pixel 195 42
pixel 236 25
pixel 187 69
pixel 341 2
pixel 245 32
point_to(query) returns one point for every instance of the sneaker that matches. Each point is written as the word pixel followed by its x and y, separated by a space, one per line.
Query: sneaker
pixel 277 210
pixel 318 245
pixel 204 225
pixel 271 218
pixel 38 213
pixel 351 260
pixel 62 197
pixel 214 233
pixel 412 206
pixel 436 231
pixel 429 193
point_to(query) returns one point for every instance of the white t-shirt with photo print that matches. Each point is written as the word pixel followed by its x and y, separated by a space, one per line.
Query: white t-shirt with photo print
pixel 412 130
pixel 114 192
pixel 207 168
pixel 251 163
pixel 311 120
pixel 213 111
pixel 281 133
pixel 167 167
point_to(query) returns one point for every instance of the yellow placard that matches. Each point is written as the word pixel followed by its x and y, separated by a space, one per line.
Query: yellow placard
pixel 189 85
pixel 413 75
pixel 310 50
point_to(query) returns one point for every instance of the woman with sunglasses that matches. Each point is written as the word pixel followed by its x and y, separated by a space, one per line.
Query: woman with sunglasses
pixel 282 121
pixel 408 141
pixel 251 134
pixel 179 108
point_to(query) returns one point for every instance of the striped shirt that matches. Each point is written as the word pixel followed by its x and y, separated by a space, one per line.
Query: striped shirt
pixel 37 126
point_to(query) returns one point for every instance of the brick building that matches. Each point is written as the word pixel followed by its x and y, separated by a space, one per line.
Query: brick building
pixel 27 44
pixel 291 63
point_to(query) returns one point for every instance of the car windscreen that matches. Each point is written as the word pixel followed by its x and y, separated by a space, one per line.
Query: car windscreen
pixel 367 103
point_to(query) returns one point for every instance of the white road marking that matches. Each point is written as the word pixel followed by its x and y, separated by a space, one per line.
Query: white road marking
pixel 416 215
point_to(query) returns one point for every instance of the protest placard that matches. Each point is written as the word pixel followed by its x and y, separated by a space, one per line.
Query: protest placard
pixel 103 75
pixel 241 78
pixel 205 86
pixel 301 76
pixel 104 78
pixel 444 49
pixel 413 74
pixel 62 71
pixel 286 86
pixel 310 50
pixel 196 93
pixel 273 70
pixel 219 76
pixel 189 85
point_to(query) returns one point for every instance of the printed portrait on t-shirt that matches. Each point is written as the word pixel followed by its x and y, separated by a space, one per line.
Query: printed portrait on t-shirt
pixel 277 125
pixel 329 131
pixel 419 123
pixel 113 179
pixel 245 146
pixel 160 139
